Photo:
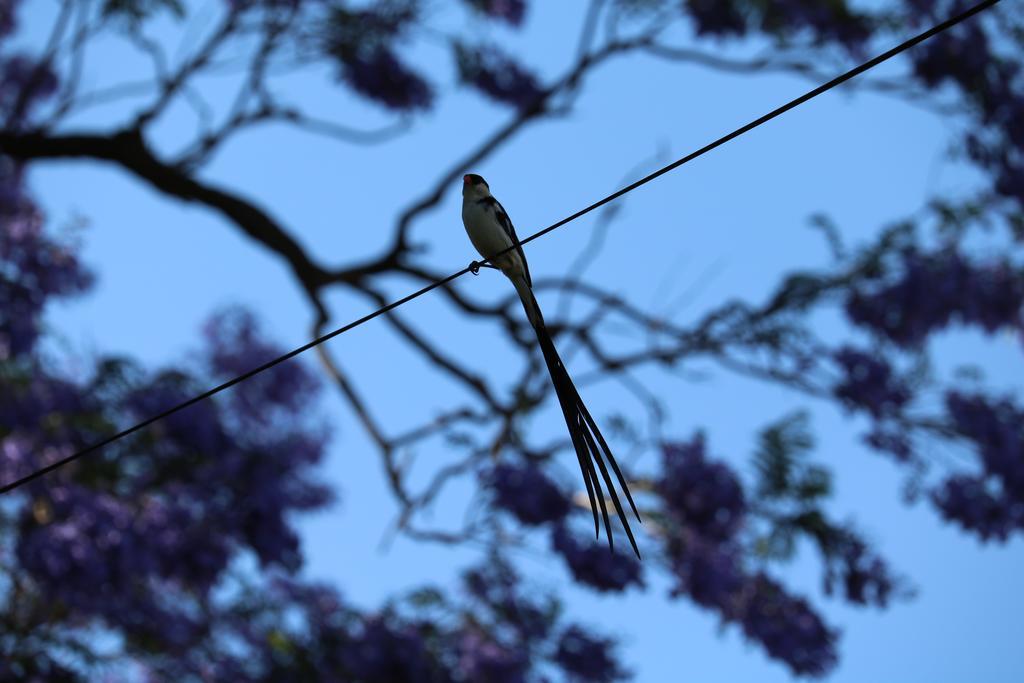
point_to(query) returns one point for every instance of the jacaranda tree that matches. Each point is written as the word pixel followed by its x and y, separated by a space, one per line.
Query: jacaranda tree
pixel 172 555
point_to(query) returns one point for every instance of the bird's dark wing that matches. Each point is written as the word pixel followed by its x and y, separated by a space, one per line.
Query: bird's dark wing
pixel 506 223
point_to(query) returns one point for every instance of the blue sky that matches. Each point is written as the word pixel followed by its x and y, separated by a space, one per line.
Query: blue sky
pixel 734 220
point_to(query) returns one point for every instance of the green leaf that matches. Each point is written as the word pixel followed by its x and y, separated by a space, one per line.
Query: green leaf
pixel 426 597
pixel 781 447
pixel 279 641
pixel 814 524
pixel 815 482
pixel 778 544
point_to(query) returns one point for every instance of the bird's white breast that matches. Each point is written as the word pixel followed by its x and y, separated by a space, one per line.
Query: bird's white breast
pixel 483 228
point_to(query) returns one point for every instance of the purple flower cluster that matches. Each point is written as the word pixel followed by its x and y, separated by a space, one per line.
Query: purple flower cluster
pixel 788 627
pixel 497 75
pixel 138 537
pixel 380 653
pixel 234 346
pixel 706 508
pixel 24 83
pixel 34 667
pixel 381 76
pixel 965 56
pixel 17 457
pixel 185 497
pixel 990 504
pixel 595 565
pixel 289 626
pixel 972 503
pixel 496 587
pixel 958 55
pixel 529 623
pixel 33 268
pixel 703 496
pixel 296 631
pixel 509 11
pixel 363 43
pixel 717 17
pixel 527 493
pixel 481 658
pixel 708 572
pixel 922 10
pixel 322 606
pixel 934 289
pixel 865 578
pixel 589 658
pixel 198 428
pixel 892 440
pixel 997 430
pixel 711 574
pixel 825 21
pixel 242 5
pixel 868 383
pixel 8 8
pixel 244 482
pixel 30 398
pixel 98 556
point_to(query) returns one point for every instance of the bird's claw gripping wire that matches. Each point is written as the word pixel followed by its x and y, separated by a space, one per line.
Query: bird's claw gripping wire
pixel 475 266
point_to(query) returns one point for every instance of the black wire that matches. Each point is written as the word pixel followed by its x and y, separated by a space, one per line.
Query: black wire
pixel 434 285
pixel 838 80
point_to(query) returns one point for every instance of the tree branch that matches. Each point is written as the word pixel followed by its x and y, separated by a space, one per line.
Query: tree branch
pixel 128 150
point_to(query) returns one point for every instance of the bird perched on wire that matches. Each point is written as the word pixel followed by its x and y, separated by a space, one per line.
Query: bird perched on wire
pixel 491 232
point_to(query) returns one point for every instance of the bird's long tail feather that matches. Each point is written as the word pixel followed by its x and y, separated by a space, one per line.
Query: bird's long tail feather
pixel 587 439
